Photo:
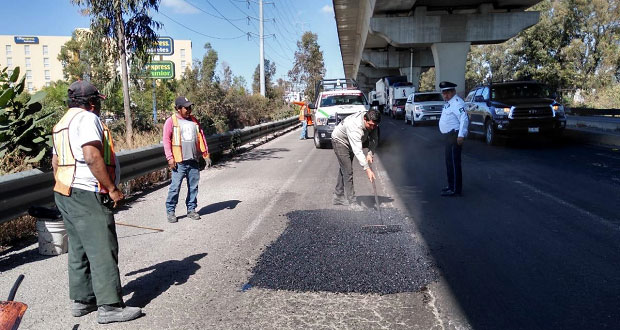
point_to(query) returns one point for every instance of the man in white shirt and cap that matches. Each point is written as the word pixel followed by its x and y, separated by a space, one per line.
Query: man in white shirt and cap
pixel 453 125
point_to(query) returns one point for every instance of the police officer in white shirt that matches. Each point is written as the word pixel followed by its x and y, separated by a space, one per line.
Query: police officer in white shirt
pixel 453 125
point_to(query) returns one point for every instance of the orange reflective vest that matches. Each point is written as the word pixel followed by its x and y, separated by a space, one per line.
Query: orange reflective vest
pixel 65 173
pixel 304 113
pixel 177 151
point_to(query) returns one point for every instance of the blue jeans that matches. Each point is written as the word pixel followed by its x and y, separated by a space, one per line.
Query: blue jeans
pixel 304 130
pixel 186 169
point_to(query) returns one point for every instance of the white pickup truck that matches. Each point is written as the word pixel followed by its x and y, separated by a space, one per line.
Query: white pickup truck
pixel 332 106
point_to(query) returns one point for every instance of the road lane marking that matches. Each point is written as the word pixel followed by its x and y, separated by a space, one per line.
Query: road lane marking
pixel 276 197
pixel 562 202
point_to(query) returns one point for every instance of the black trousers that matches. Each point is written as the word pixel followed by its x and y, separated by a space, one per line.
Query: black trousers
pixel 453 162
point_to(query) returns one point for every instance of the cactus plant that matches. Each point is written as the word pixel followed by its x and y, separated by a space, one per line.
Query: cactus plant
pixel 20 123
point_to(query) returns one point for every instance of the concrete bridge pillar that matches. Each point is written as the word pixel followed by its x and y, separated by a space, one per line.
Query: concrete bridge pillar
pixel 450 61
pixel 413 75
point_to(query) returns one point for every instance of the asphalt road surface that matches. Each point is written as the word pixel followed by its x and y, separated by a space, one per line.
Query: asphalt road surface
pixel 532 244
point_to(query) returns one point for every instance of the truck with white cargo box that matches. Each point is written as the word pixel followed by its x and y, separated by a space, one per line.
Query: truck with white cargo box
pixel 399 92
pixel 382 90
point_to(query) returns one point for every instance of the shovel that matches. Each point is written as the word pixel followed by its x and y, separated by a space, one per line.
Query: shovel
pixel 11 312
pixel 381 228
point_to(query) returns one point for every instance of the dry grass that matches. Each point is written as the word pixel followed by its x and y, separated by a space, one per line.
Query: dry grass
pixel 140 139
pixel 17 230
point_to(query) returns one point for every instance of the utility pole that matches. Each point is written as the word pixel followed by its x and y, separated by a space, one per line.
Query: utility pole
pixel 262 50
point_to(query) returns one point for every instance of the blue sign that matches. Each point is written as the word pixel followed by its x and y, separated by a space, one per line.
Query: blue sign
pixel 163 46
pixel 26 40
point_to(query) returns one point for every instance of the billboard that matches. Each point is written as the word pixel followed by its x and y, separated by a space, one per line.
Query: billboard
pixel 26 40
pixel 163 46
pixel 159 70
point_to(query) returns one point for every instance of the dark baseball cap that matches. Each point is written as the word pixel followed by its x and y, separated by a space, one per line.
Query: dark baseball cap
pixel 83 89
pixel 182 101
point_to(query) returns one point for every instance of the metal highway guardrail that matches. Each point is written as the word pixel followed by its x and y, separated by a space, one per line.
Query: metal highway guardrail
pixel 593 112
pixel 21 190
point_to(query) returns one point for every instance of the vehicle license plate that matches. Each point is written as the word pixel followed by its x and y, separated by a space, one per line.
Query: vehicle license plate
pixel 432 118
pixel 533 129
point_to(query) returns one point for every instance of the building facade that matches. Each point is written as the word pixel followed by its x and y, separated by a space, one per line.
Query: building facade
pixel 37 58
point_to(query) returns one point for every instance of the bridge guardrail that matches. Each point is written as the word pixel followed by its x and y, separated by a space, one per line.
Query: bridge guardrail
pixel 18 191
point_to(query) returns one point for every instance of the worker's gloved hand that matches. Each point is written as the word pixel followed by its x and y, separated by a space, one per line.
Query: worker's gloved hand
pixel 204 162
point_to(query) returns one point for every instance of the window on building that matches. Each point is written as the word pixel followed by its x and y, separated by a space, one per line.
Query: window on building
pixel 182 53
pixel 45 50
pixel 9 51
pixel 10 72
pixel 27 50
pixel 9 62
pixel 28 62
pixel 47 75
pixel 28 74
pixel 183 65
pixel 46 62
pixel 48 83
pixel 30 87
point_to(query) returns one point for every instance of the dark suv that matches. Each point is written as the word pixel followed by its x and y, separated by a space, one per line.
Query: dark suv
pixel 514 108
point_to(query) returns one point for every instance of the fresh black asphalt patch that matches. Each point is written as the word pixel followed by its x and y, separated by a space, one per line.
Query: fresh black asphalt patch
pixel 327 250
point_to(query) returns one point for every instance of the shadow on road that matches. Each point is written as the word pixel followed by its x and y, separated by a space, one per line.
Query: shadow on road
pixel 253 155
pixel 327 250
pixel 216 207
pixel 513 257
pixel 10 260
pixel 369 201
pixel 160 278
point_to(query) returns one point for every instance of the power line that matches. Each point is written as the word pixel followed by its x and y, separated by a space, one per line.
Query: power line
pixel 208 13
pixel 202 34
pixel 231 23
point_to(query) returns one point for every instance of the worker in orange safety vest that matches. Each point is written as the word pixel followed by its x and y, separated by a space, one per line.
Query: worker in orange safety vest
pixel 305 117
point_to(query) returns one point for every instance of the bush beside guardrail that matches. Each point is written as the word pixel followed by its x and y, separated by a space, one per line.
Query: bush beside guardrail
pixel 19 191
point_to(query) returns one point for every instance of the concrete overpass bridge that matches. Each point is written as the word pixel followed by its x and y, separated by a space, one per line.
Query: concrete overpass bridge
pixel 406 37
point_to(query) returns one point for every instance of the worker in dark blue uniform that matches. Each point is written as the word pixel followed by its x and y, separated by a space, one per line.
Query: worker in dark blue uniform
pixel 453 126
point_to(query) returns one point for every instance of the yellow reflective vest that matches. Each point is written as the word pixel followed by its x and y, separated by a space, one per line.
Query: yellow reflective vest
pixel 177 151
pixel 65 173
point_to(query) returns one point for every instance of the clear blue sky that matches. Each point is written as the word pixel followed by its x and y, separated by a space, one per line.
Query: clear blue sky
pixel 60 17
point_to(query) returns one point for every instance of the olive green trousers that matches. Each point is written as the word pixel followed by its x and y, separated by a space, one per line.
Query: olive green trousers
pixel 93 248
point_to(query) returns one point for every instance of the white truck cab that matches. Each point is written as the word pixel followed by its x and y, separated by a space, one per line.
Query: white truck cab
pixel 336 99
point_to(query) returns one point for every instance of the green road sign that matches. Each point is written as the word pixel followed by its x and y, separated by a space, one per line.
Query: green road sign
pixel 160 70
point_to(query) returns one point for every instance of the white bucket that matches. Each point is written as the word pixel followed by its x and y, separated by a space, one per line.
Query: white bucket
pixel 53 239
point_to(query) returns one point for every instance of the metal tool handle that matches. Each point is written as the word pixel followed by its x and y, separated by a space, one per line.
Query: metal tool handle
pixel 374 189
pixel 20 278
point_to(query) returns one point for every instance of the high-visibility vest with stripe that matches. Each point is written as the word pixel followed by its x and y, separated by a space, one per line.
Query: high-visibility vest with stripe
pixel 177 151
pixel 65 173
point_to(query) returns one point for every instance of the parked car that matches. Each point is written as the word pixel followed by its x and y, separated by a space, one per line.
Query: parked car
pixel 423 107
pixel 514 108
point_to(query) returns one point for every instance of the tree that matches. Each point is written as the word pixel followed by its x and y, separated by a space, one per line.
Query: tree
pixel 227 76
pixel 270 71
pixel 128 24
pixel 309 67
pixel 573 47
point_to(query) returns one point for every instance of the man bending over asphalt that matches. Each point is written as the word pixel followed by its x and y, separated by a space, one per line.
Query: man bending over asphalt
pixel 347 140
